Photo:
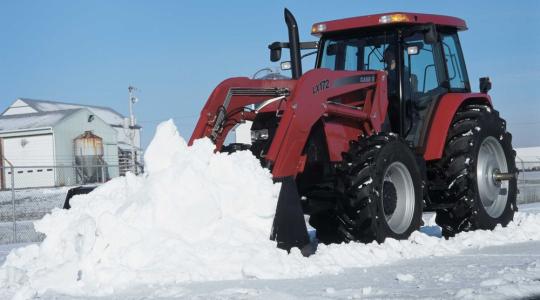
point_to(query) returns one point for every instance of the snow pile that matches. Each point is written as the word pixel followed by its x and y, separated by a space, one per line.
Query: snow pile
pixel 198 216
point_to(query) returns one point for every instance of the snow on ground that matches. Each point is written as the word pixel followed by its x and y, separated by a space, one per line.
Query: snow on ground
pixel 510 271
pixel 197 226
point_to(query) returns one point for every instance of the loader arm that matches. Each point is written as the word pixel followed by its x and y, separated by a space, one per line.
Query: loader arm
pixel 226 105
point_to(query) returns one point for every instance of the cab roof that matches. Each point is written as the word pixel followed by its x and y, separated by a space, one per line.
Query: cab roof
pixel 386 19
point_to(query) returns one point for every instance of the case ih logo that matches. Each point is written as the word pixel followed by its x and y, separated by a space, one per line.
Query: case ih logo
pixel 354 79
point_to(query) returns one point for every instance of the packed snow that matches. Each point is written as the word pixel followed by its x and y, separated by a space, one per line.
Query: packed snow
pixel 198 216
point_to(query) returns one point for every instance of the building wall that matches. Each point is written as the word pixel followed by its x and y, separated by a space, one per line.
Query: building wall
pixel 71 127
pixel 33 157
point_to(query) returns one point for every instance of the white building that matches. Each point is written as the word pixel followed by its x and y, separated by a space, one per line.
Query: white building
pixel 40 136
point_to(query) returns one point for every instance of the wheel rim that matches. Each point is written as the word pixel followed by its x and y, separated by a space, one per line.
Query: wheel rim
pixel 401 211
pixel 491 160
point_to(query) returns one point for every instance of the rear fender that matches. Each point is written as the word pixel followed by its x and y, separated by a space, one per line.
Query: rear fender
pixel 442 120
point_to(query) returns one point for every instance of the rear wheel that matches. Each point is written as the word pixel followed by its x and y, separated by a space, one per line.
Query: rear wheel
pixel 478 150
pixel 381 191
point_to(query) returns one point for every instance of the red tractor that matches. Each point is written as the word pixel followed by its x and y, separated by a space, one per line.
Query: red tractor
pixel 383 128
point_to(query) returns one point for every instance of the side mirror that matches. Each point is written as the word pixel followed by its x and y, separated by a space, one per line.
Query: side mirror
pixel 275 54
pixel 485 85
pixel 285 66
pixel 430 35
pixel 275 50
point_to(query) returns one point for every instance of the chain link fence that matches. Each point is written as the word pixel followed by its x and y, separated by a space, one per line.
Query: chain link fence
pixel 528 180
pixel 30 192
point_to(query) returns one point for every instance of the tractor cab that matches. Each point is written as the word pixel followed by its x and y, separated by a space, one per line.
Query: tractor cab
pixel 420 53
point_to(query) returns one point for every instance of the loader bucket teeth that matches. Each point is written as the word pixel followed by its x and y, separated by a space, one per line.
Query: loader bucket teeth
pixel 289 228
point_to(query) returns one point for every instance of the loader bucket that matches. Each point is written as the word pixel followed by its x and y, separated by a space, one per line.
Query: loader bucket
pixel 289 227
pixel 76 191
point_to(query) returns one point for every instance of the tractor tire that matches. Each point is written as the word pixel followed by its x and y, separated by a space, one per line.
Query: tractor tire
pixel 326 227
pixel 477 146
pixel 382 190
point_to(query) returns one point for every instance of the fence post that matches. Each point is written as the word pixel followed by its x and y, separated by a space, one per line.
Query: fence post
pixel 522 169
pixel 13 203
pixel 14 215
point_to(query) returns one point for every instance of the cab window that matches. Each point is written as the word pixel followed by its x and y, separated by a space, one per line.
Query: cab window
pixel 455 66
pixel 355 53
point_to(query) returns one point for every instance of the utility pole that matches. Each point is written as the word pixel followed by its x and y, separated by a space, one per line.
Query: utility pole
pixel 132 100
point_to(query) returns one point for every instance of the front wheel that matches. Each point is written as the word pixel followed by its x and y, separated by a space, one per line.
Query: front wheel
pixel 382 190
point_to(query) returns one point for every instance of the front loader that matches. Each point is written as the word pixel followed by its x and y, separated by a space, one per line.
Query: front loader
pixel 384 127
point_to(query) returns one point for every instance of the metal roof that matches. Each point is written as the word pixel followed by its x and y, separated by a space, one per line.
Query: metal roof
pixel 34 120
pixel 108 115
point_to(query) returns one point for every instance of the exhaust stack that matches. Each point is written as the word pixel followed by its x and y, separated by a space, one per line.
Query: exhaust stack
pixel 294 45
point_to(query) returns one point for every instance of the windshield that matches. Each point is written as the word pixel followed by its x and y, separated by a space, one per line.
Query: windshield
pixel 354 53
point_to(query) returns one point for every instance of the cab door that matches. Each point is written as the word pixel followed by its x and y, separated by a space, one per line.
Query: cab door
pixel 423 83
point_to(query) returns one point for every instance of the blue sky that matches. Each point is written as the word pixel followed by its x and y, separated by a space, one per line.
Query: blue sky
pixel 176 52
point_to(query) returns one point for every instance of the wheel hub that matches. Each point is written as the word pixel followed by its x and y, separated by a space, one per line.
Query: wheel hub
pixel 492 177
pixel 398 197
pixel 389 198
